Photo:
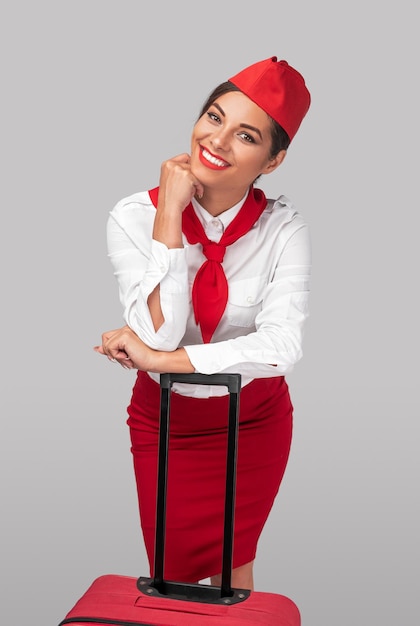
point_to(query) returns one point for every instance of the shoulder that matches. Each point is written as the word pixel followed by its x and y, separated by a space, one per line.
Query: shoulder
pixel 135 203
pixel 282 211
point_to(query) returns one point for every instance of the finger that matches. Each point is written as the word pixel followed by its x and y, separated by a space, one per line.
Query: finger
pixel 109 334
pixel 127 364
pixel 181 158
pixel 115 354
pixel 199 189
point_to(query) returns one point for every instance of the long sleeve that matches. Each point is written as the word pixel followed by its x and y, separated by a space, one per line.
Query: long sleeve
pixel 140 264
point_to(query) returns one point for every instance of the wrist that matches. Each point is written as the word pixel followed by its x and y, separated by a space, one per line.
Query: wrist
pixel 174 362
pixel 168 227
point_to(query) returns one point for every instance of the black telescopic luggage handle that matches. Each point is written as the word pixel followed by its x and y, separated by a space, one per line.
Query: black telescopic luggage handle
pixel 189 591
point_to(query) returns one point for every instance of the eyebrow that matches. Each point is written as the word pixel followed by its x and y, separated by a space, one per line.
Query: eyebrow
pixel 256 130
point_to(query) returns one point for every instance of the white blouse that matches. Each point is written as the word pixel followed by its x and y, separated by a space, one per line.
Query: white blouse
pixel 268 272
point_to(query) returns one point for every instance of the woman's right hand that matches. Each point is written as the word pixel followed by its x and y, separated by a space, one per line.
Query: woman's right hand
pixel 177 184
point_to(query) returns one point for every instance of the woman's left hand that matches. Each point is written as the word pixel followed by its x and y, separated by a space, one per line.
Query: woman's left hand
pixel 126 348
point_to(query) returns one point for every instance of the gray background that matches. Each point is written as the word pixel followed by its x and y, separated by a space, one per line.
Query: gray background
pixel 94 96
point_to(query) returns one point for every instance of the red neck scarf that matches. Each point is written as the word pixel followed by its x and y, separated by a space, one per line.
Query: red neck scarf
pixel 210 288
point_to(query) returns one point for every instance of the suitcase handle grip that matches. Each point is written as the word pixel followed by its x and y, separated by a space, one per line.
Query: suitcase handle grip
pixel 231 381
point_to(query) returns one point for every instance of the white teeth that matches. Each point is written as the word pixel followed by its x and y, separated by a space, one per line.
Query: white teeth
pixel 213 159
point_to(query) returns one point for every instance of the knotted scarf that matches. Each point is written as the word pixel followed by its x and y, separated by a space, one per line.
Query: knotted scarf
pixel 210 287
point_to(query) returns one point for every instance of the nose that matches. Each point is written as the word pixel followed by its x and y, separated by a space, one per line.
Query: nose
pixel 220 139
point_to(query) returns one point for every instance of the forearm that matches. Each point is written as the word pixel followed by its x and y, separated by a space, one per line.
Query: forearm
pixel 155 308
pixel 176 362
pixel 167 229
pixel 259 354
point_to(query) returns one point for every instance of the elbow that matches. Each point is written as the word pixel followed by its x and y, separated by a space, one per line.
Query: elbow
pixel 162 338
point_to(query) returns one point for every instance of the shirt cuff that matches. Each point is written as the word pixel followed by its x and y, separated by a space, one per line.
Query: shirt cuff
pixel 167 267
pixel 210 358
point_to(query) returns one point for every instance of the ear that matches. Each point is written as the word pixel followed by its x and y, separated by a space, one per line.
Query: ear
pixel 274 163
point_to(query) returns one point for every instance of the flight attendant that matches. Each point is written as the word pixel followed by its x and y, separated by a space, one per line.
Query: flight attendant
pixel 214 277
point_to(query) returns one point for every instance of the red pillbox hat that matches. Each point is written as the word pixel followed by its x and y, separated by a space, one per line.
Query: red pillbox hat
pixel 278 89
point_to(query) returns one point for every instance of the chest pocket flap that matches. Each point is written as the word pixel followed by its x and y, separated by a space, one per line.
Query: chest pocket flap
pixel 245 300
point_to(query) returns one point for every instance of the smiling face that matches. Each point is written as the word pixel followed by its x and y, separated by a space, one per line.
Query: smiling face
pixel 231 145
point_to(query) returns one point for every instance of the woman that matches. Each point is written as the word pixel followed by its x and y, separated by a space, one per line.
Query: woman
pixel 214 277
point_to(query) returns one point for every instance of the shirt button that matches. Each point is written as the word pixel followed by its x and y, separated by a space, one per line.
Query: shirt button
pixel 162 268
pixel 250 299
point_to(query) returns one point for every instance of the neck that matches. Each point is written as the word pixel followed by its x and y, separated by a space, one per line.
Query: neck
pixel 216 201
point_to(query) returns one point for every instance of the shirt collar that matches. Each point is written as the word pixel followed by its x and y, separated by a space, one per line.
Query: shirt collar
pixel 226 217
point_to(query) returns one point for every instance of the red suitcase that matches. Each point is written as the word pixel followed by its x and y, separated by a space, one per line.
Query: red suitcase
pixel 127 601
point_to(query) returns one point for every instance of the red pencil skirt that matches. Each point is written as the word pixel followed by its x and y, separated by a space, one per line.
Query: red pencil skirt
pixel 197 467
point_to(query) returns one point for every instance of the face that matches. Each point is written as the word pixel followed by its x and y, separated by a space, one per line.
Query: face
pixel 231 144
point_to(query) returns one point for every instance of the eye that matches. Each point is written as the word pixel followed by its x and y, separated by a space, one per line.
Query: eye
pixel 247 137
pixel 213 116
